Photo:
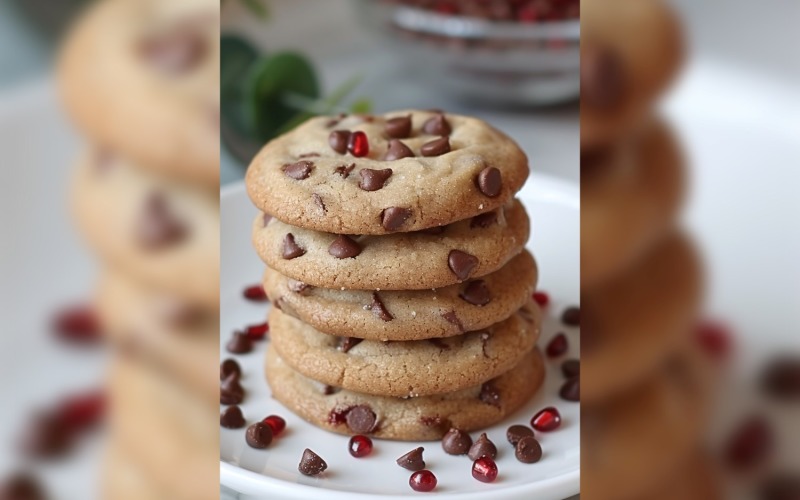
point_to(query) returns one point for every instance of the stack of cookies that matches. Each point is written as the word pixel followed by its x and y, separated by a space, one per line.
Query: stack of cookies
pixel 141 79
pixel 400 285
pixel 643 383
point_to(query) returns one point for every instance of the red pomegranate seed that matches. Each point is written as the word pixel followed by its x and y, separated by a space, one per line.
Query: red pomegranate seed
pixel 557 346
pixel 541 298
pixel 527 14
pixel 422 480
pixel 446 8
pixel 715 338
pixel 750 444
pixel 257 332
pixel 546 420
pixel 255 293
pixel 277 424
pixel 83 411
pixel 360 446
pixel 484 469
pixel 77 324
pixel 358 145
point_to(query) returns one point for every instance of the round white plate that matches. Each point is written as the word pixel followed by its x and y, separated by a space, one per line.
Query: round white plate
pixel 555 211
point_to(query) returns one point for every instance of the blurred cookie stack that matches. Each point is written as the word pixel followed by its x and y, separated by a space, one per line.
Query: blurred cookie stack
pixel 644 383
pixel 141 79
pixel 400 286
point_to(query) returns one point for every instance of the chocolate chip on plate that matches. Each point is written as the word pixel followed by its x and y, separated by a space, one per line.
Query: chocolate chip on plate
pixel 46 436
pixel 482 447
pixel 311 464
pixel 229 367
pixel 373 180
pixel 232 418
pixel 528 450
pixel 231 391
pixel 399 127
pixel 490 182
pixel 338 140
pixel 517 432
pixel 298 170
pixel 571 368
pixel 21 486
pixel 461 263
pixel 781 378
pixel 476 293
pixel 258 435
pixel 571 316
pixel 393 218
pixel 412 460
pixel 361 419
pixel 344 247
pixel 397 150
pixel 571 390
pixel 240 343
pixel 456 442
pixel 438 125
pixel 436 147
pixel 290 249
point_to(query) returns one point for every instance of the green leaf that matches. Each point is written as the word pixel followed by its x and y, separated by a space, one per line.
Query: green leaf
pixel 324 106
pixel 362 106
pixel 237 55
pixel 257 8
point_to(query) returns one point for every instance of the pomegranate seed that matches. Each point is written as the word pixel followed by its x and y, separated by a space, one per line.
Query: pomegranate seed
pixel 484 469
pixel 557 346
pixel 715 338
pixel 541 298
pixel 84 411
pixel 750 444
pixel 446 8
pixel 257 332
pixel 360 446
pixel 358 145
pixel 422 480
pixel 255 293
pixel 546 420
pixel 277 424
pixel 78 324
pixel 528 14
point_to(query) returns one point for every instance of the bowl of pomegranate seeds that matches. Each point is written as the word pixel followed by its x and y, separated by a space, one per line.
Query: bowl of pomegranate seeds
pixel 512 51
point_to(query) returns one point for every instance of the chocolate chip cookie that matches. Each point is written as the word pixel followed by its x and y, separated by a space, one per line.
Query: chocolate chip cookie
pixel 456 253
pixel 403 171
pixel 408 314
pixel 425 418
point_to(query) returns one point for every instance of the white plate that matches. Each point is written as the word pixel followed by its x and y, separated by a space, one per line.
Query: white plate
pixel 555 212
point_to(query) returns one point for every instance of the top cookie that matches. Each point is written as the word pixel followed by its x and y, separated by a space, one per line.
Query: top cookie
pixel 403 171
pixel 141 77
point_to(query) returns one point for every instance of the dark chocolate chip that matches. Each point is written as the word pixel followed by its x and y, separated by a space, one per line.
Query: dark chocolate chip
pixel 319 202
pixel 298 287
pixel 338 140
pixel 309 155
pixel 602 77
pixel 46 436
pixel 412 460
pixel 232 418
pixel 528 450
pixel 490 182
pixel 329 389
pixel 373 180
pixel 571 390
pixel 361 419
pixel 440 343
pixel 229 367
pixel 517 432
pixel 231 391
pixel 484 220
pixel 291 250
pixel 571 316
pixel 436 147
pixel 397 150
pixel 344 170
pixel 438 125
pixel 158 227
pixel 298 170
pixel 379 309
pixel 436 230
pixel 490 394
pixel 258 435
pixel 452 318
pixel 393 218
pixel 311 464
pixel 571 368
pixel 482 447
pixel 461 263
pixel 476 293
pixel 344 247
pixel 399 127
pixel 175 51
pixel 22 486
pixel 781 378
pixel 240 343
pixel 456 442
pixel 347 343
pixel 780 486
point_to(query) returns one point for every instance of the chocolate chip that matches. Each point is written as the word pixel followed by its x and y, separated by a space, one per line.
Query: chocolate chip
pixel 517 432
pixel 361 419
pixel 239 343
pixel 777 486
pixel 46 436
pixel 602 78
pixel 229 367
pixel 490 182
pixel 174 52
pixel 318 202
pixel 344 170
pixel 452 318
pixel 158 228
pixel 399 127
pixel 393 218
pixel 258 435
pixel 344 247
pixel 397 150
pixel 434 230
pixel 335 121
pixel 571 316
pixel 299 170
pixel 309 155
pixel 338 140
pixel 436 147
pixel 483 447
pixel 373 180
pixel 379 309
pixel 528 450
pixel 21 486
pixel 456 442
pixel 291 250
pixel 298 286
pixel 347 343
pixel 781 378
pixel 571 368
pixel 232 418
pixel 490 394
pixel 412 460
pixel 571 390
pixel 311 464
pixel 440 343
pixel 329 389
pixel 476 293
pixel 231 391
pixel 484 220
pixel 461 263
pixel 438 125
